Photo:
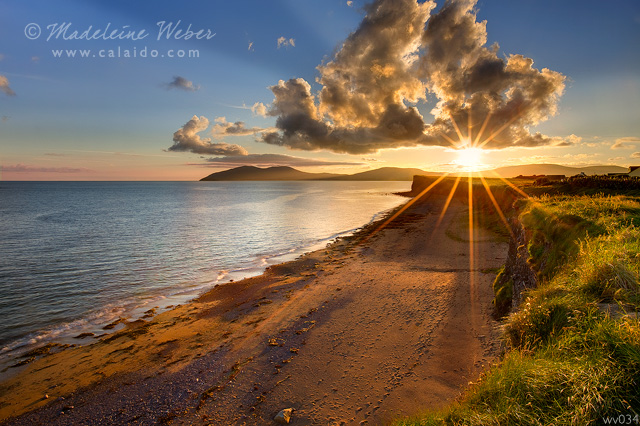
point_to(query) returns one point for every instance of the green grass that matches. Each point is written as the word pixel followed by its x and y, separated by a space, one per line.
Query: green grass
pixel 591 185
pixel 503 293
pixel 568 362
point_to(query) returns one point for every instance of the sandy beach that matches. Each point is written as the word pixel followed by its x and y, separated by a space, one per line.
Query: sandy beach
pixel 374 327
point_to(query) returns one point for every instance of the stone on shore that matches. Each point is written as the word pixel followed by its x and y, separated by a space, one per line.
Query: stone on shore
pixel 284 416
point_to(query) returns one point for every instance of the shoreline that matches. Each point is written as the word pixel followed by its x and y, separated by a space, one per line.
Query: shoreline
pixel 217 329
pixel 114 318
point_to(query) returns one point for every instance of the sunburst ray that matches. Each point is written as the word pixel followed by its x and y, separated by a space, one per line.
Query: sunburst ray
pixel 456 128
pixel 446 204
pixel 472 272
pixel 511 185
pixel 482 129
pixel 501 129
pixel 496 205
pixel 405 207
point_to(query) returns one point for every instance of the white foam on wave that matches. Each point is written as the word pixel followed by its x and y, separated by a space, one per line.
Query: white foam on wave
pixel 136 308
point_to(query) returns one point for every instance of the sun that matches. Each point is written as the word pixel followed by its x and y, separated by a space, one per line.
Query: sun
pixel 470 158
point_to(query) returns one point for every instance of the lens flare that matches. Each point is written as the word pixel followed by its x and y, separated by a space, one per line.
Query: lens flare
pixel 470 159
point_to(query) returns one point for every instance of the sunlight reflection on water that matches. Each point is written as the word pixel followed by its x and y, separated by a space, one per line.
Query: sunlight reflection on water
pixel 77 255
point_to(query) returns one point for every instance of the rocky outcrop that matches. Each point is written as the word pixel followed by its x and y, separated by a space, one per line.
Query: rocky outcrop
pixel 517 266
pixel 517 275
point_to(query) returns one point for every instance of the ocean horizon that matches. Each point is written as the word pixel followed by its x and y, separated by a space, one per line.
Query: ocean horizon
pixel 76 256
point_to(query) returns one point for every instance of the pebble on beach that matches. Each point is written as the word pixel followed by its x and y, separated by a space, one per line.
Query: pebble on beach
pixel 284 416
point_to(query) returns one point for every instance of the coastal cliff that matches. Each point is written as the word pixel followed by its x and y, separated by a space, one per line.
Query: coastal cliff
pixel 517 276
pixel 576 260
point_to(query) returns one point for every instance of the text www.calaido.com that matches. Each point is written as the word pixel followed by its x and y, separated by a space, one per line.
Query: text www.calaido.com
pixel 124 53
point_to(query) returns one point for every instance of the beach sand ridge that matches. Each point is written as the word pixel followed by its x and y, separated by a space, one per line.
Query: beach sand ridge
pixel 372 328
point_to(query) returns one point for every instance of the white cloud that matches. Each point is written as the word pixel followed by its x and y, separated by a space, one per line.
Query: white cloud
pixel 573 139
pixel 286 42
pixel 533 159
pixel 4 86
pixel 225 128
pixel 625 143
pixel 259 109
pixel 187 139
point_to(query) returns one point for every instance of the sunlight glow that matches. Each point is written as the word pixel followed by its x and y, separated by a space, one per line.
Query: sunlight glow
pixel 406 206
pixel 470 159
pixel 446 205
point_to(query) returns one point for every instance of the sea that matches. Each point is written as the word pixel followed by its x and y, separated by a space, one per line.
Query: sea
pixel 76 256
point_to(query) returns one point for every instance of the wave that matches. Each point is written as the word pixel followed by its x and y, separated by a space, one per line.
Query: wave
pixel 172 287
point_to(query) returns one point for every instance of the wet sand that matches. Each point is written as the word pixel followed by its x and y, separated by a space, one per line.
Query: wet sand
pixel 371 328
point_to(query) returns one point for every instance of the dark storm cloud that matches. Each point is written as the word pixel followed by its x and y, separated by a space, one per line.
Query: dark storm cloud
pixel 397 56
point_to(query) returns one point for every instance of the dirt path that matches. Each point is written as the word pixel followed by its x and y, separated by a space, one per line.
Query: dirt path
pixel 396 331
pixel 351 335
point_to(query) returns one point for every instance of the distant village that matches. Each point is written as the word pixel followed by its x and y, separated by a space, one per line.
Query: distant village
pixel 634 171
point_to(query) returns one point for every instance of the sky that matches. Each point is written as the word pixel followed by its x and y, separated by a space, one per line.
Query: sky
pixel 120 90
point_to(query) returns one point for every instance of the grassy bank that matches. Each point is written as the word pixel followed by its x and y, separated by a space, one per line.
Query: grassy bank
pixel 573 347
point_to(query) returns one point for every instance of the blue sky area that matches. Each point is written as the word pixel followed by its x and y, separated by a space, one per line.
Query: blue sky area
pixel 114 118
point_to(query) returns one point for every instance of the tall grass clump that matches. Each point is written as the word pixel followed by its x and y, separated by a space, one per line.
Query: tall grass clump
pixel 503 292
pixel 573 346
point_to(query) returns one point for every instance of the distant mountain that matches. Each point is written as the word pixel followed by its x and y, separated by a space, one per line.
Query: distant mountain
pixel 251 173
pixel 270 173
pixel 289 173
pixel 387 173
pixel 556 169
